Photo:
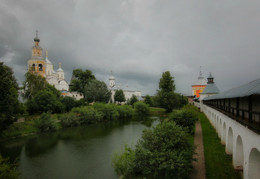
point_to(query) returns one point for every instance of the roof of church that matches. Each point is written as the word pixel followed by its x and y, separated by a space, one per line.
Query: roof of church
pixel 211 88
pixel 48 61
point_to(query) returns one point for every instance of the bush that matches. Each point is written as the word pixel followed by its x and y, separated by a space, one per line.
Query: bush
pixel 69 103
pixel 124 163
pixel 162 152
pixel 87 114
pixel 46 123
pixel 186 117
pixel 125 112
pixel 141 109
pixel 69 120
pixel 8 170
pixel 109 111
pixel 132 100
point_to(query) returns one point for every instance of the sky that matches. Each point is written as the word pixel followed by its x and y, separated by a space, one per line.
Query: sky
pixel 137 39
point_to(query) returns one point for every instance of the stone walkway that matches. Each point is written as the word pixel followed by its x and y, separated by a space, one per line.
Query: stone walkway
pixel 199 165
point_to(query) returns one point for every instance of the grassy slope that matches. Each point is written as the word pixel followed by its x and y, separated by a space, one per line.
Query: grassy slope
pixel 218 163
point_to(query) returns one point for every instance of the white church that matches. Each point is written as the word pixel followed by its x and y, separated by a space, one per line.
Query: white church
pixel 112 86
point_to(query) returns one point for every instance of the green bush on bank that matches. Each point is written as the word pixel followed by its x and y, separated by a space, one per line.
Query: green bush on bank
pixel 185 117
pixel 69 120
pixel 162 152
pixel 46 123
pixel 141 109
pixel 109 111
pixel 8 170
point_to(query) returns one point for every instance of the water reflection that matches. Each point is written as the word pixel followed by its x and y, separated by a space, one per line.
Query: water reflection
pixel 80 152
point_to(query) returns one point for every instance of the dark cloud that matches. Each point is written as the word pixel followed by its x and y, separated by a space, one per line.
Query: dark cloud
pixel 136 39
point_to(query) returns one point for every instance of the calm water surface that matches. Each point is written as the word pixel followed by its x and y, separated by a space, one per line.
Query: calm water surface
pixel 81 152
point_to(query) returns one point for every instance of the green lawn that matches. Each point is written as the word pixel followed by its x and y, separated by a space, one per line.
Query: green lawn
pixel 218 163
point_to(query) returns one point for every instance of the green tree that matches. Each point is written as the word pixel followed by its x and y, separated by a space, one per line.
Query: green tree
pixel 133 99
pixel 162 152
pixel 148 100
pixel 44 101
pixel 8 96
pixel 69 103
pixel 166 93
pixel 80 80
pixel 119 96
pixel 97 91
pixel 33 84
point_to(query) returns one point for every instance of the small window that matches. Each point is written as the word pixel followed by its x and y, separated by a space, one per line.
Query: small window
pixel 40 67
pixel 33 67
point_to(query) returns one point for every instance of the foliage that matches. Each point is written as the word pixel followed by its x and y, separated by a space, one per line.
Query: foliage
pixel 119 96
pixel 162 152
pixel 19 129
pixel 180 101
pixel 109 111
pixel 44 101
pixel 132 100
pixel 124 163
pixel 87 114
pixel 69 103
pixel 141 109
pixel 46 123
pixel 125 112
pixel 97 91
pixel 8 96
pixel 218 163
pixel 166 91
pixel 186 117
pixel 148 100
pixel 69 120
pixel 8 170
pixel 81 80
pixel 33 84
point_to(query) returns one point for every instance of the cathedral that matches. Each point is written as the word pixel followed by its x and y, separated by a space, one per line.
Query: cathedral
pixel 44 67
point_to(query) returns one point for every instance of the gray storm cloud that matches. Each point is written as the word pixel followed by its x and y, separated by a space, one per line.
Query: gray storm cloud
pixel 136 39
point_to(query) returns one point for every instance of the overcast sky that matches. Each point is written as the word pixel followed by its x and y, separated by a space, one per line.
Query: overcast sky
pixel 137 39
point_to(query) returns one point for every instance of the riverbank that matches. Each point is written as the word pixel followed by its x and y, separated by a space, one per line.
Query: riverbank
pixel 25 125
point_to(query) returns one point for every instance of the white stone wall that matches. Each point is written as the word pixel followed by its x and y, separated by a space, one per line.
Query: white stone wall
pixel 242 143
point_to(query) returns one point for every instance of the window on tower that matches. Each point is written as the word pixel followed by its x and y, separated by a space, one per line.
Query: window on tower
pixel 33 67
pixel 40 67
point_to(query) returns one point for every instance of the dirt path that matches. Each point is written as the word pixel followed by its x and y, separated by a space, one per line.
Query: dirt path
pixel 199 165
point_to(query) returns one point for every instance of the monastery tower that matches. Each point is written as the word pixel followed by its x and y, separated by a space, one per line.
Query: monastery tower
pixel 37 63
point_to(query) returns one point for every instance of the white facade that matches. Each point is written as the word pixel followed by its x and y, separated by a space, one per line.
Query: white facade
pixel 128 93
pixel 240 142
pixel 55 78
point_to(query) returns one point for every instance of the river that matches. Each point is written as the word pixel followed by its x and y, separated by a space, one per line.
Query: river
pixel 79 152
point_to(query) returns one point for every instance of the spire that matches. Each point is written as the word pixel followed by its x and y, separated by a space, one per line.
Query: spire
pixel 60 65
pixel 200 71
pixel 46 53
pixel 36 39
pixel 200 77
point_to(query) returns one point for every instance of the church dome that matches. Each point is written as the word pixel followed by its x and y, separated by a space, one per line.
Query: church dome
pixel 60 69
pixel 111 78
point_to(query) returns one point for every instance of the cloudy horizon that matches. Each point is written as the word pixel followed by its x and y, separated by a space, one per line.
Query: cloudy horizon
pixel 137 40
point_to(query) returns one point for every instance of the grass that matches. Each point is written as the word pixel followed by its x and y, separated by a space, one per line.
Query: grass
pixel 155 111
pixel 218 163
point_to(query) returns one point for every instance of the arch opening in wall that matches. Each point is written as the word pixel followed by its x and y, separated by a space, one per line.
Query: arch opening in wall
pixel 40 67
pixel 33 67
pixel 239 158
pixel 230 141
pixel 224 133
pixel 254 164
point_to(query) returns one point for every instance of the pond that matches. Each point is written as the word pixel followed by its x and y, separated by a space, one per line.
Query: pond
pixel 80 152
